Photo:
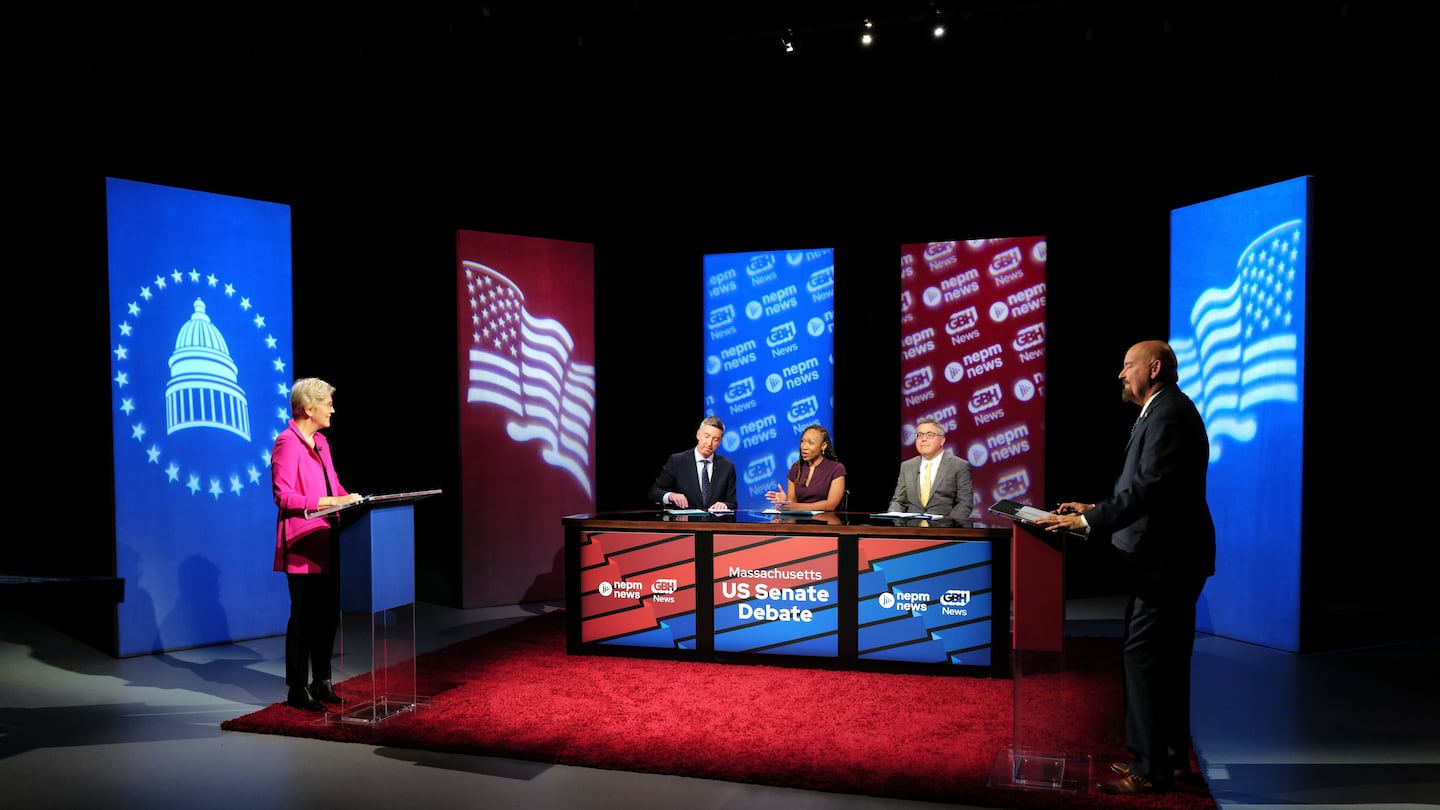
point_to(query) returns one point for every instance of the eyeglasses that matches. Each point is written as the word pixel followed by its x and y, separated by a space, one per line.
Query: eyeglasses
pixel 928 435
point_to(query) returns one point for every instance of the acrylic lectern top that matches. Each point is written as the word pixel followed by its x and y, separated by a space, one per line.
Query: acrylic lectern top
pixel 393 498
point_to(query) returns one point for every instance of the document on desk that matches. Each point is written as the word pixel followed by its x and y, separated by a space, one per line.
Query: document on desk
pixel 1023 513
pixel 686 512
pixel 1018 511
pixel 905 515
pixel 793 512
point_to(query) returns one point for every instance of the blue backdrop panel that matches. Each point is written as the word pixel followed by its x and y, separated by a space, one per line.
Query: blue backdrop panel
pixel 769 358
pixel 1237 324
pixel 200 367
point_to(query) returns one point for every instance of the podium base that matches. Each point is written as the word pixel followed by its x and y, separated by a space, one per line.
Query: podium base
pixel 369 713
pixel 1041 770
pixel 389 640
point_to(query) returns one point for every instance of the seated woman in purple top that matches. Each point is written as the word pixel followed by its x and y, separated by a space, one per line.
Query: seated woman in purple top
pixel 817 480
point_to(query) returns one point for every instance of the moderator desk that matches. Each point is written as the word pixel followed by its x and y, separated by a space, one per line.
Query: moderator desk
pixel 839 590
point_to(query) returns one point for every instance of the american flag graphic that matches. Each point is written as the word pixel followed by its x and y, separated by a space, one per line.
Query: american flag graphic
pixel 523 364
pixel 1244 349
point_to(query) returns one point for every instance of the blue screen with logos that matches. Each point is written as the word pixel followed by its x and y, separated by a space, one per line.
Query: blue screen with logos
pixel 769 358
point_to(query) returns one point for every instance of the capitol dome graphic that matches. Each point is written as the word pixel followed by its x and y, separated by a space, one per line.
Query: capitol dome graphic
pixel 204 388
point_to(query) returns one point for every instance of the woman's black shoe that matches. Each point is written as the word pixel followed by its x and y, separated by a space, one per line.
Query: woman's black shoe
pixel 300 698
pixel 325 693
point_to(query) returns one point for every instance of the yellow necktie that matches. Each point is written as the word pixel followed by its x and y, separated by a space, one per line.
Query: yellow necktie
pixel 925 483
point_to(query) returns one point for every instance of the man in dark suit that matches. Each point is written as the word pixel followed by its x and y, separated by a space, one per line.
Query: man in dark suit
pixel 951 493
pixel 1160 522
pixel 680 482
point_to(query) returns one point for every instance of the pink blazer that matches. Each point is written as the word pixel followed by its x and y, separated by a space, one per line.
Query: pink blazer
pixel 298 475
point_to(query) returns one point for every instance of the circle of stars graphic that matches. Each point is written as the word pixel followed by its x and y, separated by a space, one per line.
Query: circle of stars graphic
pixel 134 404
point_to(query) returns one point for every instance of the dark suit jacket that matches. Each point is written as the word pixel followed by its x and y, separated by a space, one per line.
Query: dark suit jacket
pixel 1159 515
pixel 952 493
pixel 680 475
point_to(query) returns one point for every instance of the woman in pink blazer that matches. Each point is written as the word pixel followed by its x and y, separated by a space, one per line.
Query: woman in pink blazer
pixel 303 477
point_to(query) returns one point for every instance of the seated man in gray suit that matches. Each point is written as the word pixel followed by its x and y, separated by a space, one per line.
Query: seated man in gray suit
pixel 934 482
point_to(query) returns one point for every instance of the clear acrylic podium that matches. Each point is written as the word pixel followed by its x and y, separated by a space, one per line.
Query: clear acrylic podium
pixel 377 579
pixel 1037 758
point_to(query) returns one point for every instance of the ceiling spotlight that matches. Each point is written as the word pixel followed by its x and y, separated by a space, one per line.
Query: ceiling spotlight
pixel 787 39
pixel 867 32
pixel 938 29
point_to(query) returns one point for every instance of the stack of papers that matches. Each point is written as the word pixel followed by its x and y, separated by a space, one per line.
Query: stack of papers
pixel 773 511
pixel 906 515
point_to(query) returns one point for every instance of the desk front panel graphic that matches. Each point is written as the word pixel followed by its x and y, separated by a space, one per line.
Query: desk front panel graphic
pixel 927 601
pixel 776 595
pixel 825 594
pixel 637 589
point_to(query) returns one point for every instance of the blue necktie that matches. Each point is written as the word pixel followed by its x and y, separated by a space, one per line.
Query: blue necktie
pixel 705 484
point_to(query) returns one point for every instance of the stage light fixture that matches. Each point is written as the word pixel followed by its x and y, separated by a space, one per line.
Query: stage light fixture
pixel 867 32
pixel 938 29
pixel 787 39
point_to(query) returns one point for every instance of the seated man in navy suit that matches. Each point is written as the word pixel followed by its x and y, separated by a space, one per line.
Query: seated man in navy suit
pixel 699 478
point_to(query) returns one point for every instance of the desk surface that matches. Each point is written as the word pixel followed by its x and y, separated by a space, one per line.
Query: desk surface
pixel 844 523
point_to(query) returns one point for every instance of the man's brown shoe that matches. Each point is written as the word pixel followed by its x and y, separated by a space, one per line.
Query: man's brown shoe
pixel 1131 785
pixel 1123 769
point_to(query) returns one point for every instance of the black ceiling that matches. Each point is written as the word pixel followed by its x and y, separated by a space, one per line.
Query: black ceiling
pixel 615 87
pixel 363 41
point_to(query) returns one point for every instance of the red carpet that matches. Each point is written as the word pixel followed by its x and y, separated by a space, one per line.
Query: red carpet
pixel 516 693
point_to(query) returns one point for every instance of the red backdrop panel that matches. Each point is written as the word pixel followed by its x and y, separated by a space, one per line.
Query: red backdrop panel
pixel 527 412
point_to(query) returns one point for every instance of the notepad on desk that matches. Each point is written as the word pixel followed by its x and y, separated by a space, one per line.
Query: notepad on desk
pixel 686 512
pixel 905 515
